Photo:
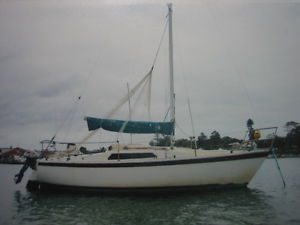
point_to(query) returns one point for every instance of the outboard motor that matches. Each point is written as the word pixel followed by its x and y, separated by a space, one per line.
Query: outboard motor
pixel 30 162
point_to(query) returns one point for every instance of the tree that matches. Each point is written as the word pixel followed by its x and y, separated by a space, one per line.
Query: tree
pixel 183 143
pixel 215 137
pixel 161 141
pixel 215 140
pixel 226 141
pixel 290 126
pixel 202 137
pixel 202 141
pixel 293 134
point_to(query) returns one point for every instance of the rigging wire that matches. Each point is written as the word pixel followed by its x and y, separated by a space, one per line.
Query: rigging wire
pixel 133 91
pixel 134 107
pixel 70 114
pixel 239 74
pixel 160 43
pixel 63 123
pixel 149 98
pixel 167 113
pixel 193 129
pixel 129 108
pixel 184 78
pixel 143 82
pixel 180 128
pixel 74 108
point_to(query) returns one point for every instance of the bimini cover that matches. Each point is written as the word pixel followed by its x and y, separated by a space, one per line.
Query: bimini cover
pixel 132 127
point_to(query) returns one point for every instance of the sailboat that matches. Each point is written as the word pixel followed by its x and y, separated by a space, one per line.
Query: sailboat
pixel 132 167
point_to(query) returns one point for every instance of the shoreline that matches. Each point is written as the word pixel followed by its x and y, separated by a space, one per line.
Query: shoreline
pixel 12 163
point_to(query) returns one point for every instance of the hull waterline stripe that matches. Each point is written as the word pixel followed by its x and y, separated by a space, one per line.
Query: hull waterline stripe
pixel 158 163
pixel 42 186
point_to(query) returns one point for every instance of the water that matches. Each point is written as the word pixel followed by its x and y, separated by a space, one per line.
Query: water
pixel 263 202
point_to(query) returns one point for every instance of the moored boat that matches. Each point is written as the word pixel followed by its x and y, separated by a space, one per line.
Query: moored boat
pixel 132 167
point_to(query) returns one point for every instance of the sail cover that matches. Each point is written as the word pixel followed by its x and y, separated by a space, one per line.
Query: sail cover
pixel 132 127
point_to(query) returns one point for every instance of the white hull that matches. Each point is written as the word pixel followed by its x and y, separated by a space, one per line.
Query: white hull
pixel 154 173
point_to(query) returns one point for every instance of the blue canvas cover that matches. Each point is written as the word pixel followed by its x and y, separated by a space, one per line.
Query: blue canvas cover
pixel 132 127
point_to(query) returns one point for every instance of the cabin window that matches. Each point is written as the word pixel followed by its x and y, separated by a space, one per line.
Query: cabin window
pixel 131 155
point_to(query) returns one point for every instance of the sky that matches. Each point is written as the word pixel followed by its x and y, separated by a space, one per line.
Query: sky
pixel 233 59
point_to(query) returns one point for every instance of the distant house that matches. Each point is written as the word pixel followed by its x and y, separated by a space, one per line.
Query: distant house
pixel 15 151
pixel 2 150
pixel 12 155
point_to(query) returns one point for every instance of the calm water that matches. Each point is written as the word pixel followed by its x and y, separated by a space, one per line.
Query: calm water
pixel 263 202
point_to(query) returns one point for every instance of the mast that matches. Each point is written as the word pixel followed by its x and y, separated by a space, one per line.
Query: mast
pixel 172 93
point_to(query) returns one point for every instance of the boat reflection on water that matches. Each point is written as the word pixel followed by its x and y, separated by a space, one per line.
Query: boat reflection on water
pixel 240 206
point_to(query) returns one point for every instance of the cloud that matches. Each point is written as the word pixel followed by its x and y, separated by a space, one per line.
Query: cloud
pixel 234 60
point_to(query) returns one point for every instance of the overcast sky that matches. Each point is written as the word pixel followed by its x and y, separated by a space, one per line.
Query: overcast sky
pixel 234 59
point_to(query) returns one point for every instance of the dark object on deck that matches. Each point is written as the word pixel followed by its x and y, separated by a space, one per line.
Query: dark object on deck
pixel 251 131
